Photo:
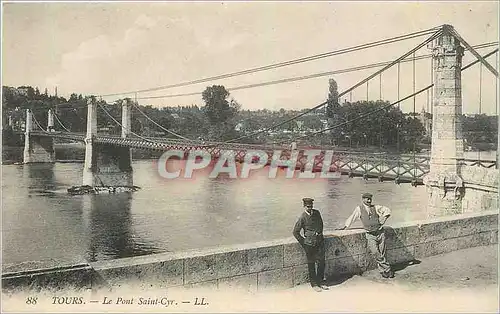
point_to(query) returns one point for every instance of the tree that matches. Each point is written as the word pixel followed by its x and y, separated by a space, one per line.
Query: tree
pixel 480 131
pixel 219 111
pixel 332 109
pixel 386 127
pixel 333 99
pixel 312 122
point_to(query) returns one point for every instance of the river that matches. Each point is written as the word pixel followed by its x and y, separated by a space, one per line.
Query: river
pixel 41 222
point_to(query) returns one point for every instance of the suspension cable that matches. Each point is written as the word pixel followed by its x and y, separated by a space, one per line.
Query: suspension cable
pixel 480 109
pixel 36 121
pixel 290 62
pixel 414 117
pixel 398 127
pixel 285 80
pixel 306 77
pixel 473 51
pixel 161 127
pixel 362 116
pixel 496 88
pixel 435 35
pixel 112 118
pixel 62 125
pixel 431 91
pixel 480 85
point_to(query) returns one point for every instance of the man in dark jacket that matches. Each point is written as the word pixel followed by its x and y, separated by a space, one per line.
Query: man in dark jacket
pixel 312 241
pixel 373 217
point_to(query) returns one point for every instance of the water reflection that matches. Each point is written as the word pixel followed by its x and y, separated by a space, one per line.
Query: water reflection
pixel 41 178
pixel 110 227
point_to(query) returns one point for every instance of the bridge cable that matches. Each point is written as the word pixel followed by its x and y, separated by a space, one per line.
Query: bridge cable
pixel 474 52
pixel 435 35
pixel 36 121
pixel 131 132
pixel 309 76
pixel 496 112
pixel 480 109
pixel 287 63
pixel 414 119
pixel 496 86
pixel 285 80
pixel 161 127
pixel 60 123
pixel 399 127
pixel 362 116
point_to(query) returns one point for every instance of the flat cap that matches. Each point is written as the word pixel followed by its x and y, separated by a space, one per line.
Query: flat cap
pixel 307 200
pixel 367 195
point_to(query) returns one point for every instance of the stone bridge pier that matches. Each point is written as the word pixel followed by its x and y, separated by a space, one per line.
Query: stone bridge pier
pixel 107 165
pixel 453 187
pixel 38 149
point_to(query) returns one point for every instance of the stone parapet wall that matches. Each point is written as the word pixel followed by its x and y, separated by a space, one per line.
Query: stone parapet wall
pixel 481 188
pixel 282 264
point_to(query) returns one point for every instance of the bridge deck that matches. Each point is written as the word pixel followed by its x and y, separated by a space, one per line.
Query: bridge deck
pixel 406 167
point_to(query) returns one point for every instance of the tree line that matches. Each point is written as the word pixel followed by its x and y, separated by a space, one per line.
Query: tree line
pixel 222 118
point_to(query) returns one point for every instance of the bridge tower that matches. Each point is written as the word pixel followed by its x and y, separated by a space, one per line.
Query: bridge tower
pixel 444 182
pixel 50 121
pixel 106 164
pixel 37 149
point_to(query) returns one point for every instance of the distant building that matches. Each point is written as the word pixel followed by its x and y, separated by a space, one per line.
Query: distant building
pixel 23 91
pixel 426 120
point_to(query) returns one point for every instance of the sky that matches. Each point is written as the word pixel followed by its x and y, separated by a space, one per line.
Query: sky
pixel 99 48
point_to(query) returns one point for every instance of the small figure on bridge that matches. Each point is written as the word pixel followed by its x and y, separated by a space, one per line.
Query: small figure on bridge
pixel 373 218
pixel 313 243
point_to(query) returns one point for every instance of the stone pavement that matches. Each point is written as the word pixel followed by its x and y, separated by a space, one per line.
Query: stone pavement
pixel 459 281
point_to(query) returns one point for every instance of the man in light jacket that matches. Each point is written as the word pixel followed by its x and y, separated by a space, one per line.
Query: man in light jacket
pixel 373 218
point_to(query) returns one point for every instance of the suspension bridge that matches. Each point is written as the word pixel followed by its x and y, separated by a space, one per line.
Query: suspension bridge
pixel 108 158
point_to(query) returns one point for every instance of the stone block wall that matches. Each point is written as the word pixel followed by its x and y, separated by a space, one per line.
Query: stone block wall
pixel 481 188
pixel 38 149
pixel 282 264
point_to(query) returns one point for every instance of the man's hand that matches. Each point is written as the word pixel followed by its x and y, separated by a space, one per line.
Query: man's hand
pixel 341 228
pixel 383 220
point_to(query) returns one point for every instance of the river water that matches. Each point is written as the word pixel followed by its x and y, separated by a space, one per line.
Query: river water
pixel 41 222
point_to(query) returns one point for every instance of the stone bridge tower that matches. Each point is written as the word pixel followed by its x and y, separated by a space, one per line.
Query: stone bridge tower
pixel 444 182
pixel 106 164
